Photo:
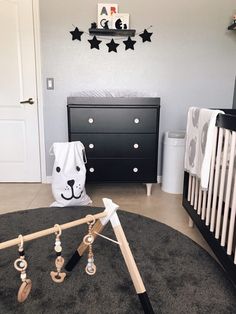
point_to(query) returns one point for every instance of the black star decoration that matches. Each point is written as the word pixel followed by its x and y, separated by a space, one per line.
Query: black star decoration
pixel 76 34
pixel 112 46
pixel 146 36
pixel 129 43
pixel 94 43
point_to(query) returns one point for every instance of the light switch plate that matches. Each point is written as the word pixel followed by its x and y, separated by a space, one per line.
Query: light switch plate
pixel 50 83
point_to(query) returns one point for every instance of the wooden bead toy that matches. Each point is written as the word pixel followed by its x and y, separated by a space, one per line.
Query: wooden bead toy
pixel 58 276
pixel 88 240
pixel 21 265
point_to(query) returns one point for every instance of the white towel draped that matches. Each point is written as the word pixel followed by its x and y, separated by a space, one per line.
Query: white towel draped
pixel 200 136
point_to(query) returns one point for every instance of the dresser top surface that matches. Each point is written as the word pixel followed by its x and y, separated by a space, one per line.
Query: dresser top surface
pixel 113 101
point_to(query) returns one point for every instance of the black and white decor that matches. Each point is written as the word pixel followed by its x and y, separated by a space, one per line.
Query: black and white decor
pixel 111 23
pixel 112 45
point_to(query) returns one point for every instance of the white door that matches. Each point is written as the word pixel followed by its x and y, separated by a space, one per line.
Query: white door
pixel 19 134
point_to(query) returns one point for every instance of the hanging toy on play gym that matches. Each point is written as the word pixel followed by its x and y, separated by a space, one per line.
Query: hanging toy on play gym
pixel 88 240
pixel 58 276
pixel 21 265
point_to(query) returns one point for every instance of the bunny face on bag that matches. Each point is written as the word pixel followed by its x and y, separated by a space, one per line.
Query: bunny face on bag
pixel 72 183
pixel 69 175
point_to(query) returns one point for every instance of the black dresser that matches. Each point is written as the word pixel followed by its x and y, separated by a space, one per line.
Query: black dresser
pixel 120 136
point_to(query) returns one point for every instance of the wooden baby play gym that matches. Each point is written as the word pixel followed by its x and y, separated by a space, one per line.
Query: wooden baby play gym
pixel 96 224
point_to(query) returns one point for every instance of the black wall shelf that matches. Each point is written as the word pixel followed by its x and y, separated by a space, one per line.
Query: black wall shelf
pixel 112 32
pixel 232 27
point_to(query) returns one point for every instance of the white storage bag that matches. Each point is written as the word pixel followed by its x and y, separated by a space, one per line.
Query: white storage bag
pixel 69 174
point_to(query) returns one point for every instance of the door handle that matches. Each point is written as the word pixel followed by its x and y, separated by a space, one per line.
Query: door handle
pixel 29 101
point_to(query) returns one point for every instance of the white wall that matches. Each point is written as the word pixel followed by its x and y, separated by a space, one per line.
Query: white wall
pixel 191 60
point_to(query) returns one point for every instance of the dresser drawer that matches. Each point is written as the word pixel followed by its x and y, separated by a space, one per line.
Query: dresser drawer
pixel 118 145
pixel 112 120
pixel 126 170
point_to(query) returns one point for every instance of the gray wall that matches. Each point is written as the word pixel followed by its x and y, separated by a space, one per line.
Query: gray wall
pixel 191 60
pixel 234 98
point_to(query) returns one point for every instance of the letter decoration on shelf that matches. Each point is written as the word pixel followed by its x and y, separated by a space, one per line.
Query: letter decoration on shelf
pixel 105 14
pixel 111 23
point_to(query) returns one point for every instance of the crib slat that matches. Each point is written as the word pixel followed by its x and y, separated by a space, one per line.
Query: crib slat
pixel 196 193
pixel 232 220
pixel 199 200
pixel 216 179
pixel 204 205
pixel 209 194
pixel 193 190
pixel 228 188
pixel 190 179
pixel 222 184
pixel 189 187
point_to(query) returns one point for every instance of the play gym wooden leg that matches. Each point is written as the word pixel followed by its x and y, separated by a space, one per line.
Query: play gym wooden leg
pixel 149 189
pixel 112 216
pixel 129 260
pixel 98 227
pixel 131 265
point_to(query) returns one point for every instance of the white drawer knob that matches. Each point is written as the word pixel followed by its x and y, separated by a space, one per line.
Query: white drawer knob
pixel 135 170
pixel 91 169
pixel 90 120
pixel 91 146
pixel 136 146
pixel 136 120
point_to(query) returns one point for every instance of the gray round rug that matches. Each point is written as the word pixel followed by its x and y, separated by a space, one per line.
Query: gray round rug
pixel 179 276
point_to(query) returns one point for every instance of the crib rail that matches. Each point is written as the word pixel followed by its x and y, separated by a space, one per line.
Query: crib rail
pixel 214 211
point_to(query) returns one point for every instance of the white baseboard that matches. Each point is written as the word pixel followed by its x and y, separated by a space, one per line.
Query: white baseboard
pixel 159 179
pixel 49 179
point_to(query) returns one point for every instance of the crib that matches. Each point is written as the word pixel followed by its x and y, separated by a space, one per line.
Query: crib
pixel 214 211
